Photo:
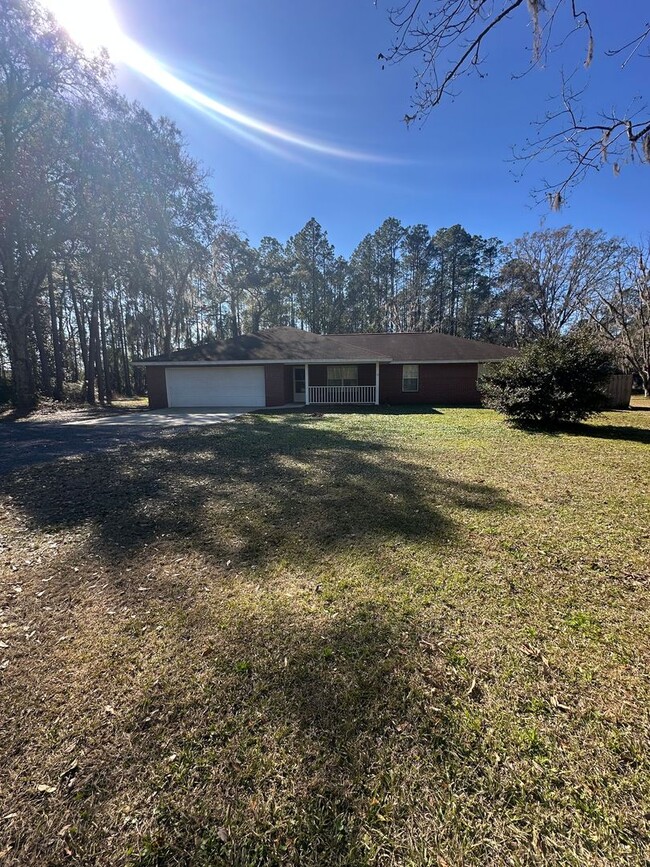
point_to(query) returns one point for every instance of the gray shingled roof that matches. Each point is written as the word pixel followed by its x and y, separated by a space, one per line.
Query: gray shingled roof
pixel 427 346
pixel 275 344
pixel 292 344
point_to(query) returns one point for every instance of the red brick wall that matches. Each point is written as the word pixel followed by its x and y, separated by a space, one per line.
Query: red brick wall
pixel 439 383
pixel 288 384
pixel 275 384
pixel 156 387
pixel 318 374
pixel 366 374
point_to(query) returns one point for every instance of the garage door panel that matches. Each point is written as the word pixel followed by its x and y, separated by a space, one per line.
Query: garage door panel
pixel 215 386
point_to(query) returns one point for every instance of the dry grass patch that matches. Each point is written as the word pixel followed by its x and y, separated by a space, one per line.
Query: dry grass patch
pixel 355 639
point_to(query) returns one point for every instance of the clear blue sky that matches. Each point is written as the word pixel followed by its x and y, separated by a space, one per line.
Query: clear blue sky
pixel 311 67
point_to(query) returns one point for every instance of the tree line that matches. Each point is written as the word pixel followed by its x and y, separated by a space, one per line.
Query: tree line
pixel 112 248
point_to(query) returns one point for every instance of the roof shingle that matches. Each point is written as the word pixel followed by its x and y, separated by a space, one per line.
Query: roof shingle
pixel 292 344
pixel 425 346
pixel 274 344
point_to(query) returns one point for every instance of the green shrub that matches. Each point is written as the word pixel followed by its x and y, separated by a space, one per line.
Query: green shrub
pixel 554 381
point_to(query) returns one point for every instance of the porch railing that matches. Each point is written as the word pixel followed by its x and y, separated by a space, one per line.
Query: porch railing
pixel 342 393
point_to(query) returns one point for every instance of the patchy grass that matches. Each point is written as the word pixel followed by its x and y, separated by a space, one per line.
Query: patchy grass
pixel 394 638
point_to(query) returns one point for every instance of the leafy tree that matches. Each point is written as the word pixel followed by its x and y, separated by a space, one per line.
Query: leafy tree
pixel 312 262
pixel 273 305
pixel 105 220
pixel 233 271
pixel 449 40
pixel 388 239
pixel 553 381
pixel 460 287
pixel 417 256
pixel 363 296
pixel 44 82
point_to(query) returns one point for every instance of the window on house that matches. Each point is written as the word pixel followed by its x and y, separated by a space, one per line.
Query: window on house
pixel 410 377
pixel 348 375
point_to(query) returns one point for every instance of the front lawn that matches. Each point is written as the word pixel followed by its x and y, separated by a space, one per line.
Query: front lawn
pixel 394 638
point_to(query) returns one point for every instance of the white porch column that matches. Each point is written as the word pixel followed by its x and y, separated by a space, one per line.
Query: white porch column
pixel 306 384
pixel 377 382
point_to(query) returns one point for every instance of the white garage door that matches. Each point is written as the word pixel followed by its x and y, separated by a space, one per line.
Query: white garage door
pixel 215 386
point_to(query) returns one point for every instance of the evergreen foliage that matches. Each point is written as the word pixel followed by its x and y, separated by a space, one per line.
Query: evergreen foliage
pixel 554 381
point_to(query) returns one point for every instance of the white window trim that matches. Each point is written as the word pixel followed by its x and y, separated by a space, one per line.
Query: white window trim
pixel 410 379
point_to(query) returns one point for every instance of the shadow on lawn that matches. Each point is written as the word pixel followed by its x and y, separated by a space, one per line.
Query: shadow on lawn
pixel 280 736
pixel 295 741
pixel 613 432
pixel 595 431
pixel 246 491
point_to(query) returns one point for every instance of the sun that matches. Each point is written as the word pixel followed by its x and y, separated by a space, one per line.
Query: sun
pixel 93 25
pixel 90 23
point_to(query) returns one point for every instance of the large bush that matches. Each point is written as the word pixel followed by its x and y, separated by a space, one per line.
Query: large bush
pixel 554 381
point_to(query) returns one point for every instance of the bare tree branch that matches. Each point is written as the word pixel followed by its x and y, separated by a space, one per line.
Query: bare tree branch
pixel 448 38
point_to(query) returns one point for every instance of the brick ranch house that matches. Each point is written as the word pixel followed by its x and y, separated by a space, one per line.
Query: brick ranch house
pixel 285 365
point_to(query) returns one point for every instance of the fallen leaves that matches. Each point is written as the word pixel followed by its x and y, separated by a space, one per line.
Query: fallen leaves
pixel 70 771
pixel 556 704
pixel 539 656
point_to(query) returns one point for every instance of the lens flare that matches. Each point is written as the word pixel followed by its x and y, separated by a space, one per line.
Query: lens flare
pixel 93 25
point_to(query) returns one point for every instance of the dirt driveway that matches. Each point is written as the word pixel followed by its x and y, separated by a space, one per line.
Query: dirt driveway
pixel 23 443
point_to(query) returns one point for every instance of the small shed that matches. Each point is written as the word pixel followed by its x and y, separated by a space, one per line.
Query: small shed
pixel 619 390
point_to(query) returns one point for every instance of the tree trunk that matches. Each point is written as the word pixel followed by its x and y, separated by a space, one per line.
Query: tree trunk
pixel 93 353
pixel 105 366
pixel 56 340
pixel 44 362
pixel 89 379
pixel 21 367
pixel 645 382
pixel 124 350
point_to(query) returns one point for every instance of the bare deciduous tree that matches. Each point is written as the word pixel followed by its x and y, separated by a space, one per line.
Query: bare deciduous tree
pixel 449 40
pixel 556 270
pixel 622 311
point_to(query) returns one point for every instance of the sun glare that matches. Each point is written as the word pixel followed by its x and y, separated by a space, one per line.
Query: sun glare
pixel 93 25
pixel 90 23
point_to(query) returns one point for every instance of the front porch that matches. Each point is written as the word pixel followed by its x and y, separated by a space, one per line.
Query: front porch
pixel 349 384
pixel 358 394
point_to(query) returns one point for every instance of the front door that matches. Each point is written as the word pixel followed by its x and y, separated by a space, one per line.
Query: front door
pixel 299 385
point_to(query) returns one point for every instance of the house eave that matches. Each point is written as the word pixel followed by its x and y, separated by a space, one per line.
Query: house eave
pixel 452 360
pixel 262 361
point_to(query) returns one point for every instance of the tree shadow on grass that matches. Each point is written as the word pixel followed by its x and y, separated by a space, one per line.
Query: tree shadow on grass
pixel 612 432
pixel 296 740
pixel 265 486
pixel 317 409
pixel 343 720
pixel 593 431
